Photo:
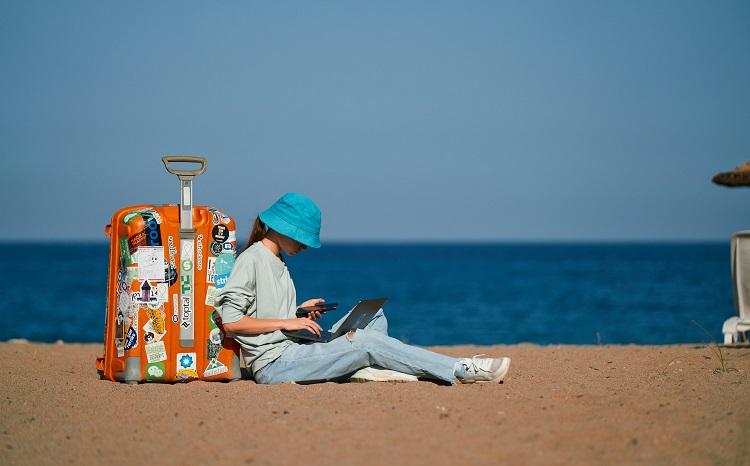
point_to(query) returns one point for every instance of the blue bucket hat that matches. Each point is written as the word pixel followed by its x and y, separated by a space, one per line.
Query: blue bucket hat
pixel 296 216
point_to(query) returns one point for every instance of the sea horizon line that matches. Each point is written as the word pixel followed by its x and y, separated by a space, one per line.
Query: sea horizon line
pixel 427 242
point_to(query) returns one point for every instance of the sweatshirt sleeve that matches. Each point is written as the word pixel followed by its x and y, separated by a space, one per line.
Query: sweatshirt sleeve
pixel 240 291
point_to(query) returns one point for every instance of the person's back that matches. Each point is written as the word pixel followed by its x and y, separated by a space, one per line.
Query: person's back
pixel 259 286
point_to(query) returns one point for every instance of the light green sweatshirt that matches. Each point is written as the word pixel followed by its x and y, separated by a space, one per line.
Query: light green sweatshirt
pixel 259 286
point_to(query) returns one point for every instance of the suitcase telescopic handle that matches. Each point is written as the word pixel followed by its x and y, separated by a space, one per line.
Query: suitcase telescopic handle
pixel 167 159
pixel 186 188
pixel 187 241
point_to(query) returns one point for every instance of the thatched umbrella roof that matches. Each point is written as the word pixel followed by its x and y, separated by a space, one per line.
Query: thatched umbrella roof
pixel 736 178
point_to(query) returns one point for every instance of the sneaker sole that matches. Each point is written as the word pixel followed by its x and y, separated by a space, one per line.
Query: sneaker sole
pixel 366 380
pixel 381 375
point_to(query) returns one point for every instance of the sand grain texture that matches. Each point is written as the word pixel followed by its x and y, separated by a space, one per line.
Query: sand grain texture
pixel 560 405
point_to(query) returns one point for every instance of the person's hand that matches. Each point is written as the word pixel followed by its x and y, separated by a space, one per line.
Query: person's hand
pixel 310 303
pixel 302 323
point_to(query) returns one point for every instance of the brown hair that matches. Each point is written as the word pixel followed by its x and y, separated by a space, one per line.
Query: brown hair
pixel 257 233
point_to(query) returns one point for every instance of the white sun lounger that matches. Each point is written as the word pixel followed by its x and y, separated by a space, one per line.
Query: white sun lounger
pixel 735 328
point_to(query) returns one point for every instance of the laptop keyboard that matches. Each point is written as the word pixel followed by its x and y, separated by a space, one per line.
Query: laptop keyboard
pixel 308 335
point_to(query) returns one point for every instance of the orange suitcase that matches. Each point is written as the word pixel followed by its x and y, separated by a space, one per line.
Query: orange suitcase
pixel 166 265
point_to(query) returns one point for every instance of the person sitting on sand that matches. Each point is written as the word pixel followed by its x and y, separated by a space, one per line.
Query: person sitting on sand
pixel 258 302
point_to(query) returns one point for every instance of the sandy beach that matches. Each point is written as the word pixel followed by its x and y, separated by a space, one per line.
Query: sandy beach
pixel 559 405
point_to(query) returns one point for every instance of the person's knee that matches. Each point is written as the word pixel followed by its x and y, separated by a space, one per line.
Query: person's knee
pixel 379 321
pixel 380 315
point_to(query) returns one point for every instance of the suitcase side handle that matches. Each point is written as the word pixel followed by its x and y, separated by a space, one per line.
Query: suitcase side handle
pixel 167 159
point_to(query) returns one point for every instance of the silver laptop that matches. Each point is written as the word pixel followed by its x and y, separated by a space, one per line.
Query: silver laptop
pixel 359 317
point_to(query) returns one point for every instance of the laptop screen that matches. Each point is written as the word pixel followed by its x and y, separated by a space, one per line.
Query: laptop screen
pixel 361 315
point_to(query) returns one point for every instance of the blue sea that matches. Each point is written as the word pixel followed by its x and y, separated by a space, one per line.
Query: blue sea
pixel 438 294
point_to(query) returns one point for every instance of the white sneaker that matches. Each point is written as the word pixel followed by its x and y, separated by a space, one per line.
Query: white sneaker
pixel 371 374
pixel 478 369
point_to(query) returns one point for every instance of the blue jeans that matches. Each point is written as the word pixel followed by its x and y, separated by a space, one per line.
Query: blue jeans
pixel 339 358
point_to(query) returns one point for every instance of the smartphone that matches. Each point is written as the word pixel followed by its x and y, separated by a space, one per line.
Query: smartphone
pixel 322 307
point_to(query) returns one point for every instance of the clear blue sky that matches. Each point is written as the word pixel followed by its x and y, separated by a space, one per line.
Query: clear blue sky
pixel 594 120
